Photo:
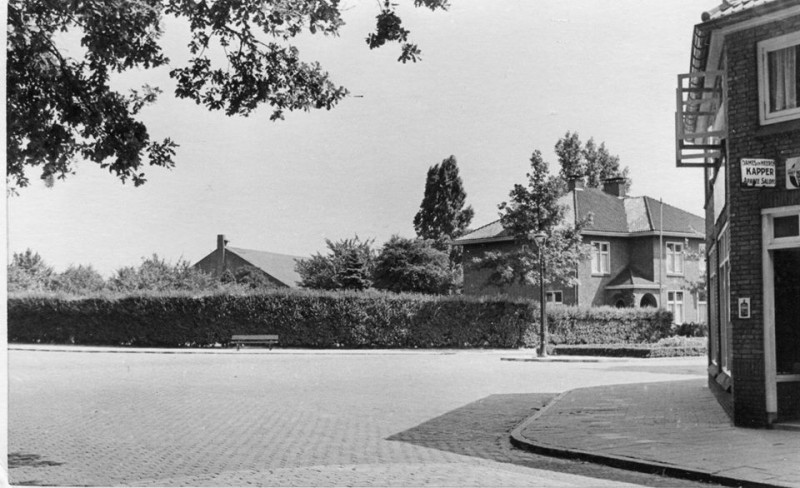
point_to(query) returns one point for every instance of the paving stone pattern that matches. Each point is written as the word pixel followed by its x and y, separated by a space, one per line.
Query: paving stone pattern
pixel 290 419
pixel 675 423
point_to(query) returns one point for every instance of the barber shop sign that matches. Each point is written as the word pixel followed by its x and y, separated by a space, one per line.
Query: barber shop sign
pixel 758 173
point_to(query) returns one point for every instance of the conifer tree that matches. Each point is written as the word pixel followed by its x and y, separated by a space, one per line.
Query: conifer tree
pixel 442 214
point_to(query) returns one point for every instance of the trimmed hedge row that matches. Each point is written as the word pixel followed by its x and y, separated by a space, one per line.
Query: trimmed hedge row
pixel 320 320
pixel 606 325
pixel 629 350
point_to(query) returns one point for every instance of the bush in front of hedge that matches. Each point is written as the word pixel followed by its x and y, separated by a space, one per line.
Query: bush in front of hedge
pixel 320 320
pixel 605 325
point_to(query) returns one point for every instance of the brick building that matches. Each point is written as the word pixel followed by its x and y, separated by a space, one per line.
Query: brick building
pixel 278 269
pixel 738 118
pixel 626 268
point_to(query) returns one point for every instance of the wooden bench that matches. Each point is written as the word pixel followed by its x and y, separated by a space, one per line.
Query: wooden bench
pixel 240 340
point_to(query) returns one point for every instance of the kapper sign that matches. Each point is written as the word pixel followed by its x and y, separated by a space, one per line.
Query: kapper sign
pixel 758 172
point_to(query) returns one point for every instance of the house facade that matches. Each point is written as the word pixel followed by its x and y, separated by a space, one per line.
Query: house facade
pixel 738 118
pixel 278 269
pixel 644 253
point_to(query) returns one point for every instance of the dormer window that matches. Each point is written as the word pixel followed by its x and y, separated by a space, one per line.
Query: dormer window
pixel 779 78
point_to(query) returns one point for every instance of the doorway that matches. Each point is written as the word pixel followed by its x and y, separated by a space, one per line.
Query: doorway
pixel 787 310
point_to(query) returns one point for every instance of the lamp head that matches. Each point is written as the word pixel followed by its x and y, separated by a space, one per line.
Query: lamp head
pixel 539 237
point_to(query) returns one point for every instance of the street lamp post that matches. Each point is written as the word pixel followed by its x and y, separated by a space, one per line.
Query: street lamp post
pixel 540 238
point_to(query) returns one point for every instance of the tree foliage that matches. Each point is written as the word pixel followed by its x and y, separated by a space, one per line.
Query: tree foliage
pixel 62 108
pixel 414 265
pixel 27 271
pixel 156 274
pixel 77 280
pixel 535 209
pixel 347 266
pixel 248 277
pixel 589 160
pixel 442 214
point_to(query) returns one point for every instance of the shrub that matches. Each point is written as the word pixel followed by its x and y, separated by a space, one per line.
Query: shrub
pixel 302 319
pixel 156 274
pixel 691 329
pixel 348 266
pixel 606 325
pixel 413 265
pixel 28 272
pixel 318 319
pixel 78 280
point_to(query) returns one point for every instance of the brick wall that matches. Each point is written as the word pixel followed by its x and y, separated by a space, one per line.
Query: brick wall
pixel 476 279
pixel 748 139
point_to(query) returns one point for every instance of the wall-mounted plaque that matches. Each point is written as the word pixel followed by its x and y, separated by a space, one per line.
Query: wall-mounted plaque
pixel 744 308
pixel 758 173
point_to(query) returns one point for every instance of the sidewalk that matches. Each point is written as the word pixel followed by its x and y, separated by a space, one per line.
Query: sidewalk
pixel 676 428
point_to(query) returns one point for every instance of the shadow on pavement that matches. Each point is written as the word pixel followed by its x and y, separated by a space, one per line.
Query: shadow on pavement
pixel 482 429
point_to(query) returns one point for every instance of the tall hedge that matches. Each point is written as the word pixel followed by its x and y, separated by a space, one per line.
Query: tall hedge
pixel 319 320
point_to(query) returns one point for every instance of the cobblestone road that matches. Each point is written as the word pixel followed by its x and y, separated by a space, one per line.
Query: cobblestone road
pixel 304 419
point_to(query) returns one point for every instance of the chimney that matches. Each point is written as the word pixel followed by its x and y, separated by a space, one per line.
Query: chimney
pixel 221 243
pixel 575 182
pixel 615 186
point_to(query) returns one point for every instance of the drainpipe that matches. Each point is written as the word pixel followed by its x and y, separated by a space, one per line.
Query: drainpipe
pixel 661 253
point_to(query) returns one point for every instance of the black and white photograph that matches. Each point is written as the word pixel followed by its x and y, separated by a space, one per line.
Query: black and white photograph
pixel 401 243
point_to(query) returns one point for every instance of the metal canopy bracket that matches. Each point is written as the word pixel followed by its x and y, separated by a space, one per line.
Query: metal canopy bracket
pixel 700 101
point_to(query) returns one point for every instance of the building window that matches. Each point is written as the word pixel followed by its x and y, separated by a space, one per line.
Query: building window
pixel 702 307
pixel 779 78
pixel 674 258
pixel 724 280
pixel 701 251
pixel 601 258
pixel 554 297
pixel 714 335
pixel 675 305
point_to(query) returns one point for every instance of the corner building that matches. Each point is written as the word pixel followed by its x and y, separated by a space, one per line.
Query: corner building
pixel 738 118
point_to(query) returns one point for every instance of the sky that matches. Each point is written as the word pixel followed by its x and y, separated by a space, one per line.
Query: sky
pixel 497 81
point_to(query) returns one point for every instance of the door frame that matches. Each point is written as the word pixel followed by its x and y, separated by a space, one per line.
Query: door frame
pixel 770 244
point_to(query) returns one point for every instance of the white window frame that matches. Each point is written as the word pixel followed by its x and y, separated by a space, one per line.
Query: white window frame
pixel 701 251
pixel 555 297
pixel 724 276
pixel 702 309
pixel 675 250
pixel 673 303
pixel 601 260
pixel 764 48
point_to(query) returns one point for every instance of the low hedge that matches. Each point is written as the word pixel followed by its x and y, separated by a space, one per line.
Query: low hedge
pixel 320 320
pixel 629 350
pixel 668 347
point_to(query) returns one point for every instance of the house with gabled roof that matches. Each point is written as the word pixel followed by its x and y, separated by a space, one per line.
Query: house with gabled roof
pixel 643 253
pixel 279 269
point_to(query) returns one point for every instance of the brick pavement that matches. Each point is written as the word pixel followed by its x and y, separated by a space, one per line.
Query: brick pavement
pixel 437 419
pixel 670 426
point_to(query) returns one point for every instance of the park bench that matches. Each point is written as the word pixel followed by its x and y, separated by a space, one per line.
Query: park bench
pixel 241 340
